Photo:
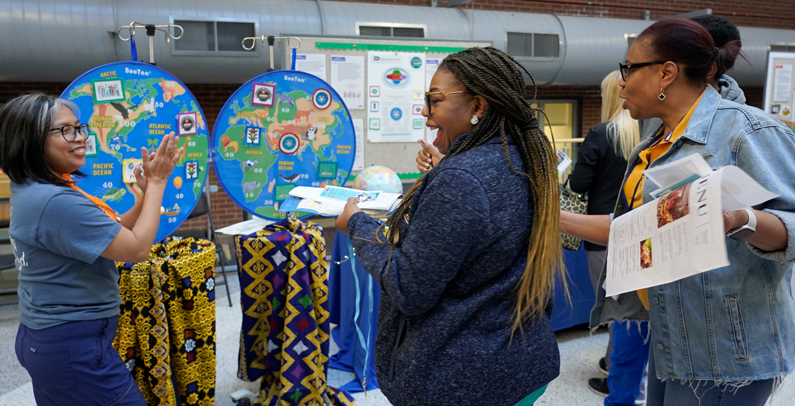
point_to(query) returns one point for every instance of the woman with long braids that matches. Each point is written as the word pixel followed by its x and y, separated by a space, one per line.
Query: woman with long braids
pixel 467 262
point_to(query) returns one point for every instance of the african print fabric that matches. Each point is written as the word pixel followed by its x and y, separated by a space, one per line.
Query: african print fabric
pixel 285 334
pixel 167 320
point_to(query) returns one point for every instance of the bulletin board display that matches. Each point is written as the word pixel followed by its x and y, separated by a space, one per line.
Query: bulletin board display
pixel 383 84
pixel 780 87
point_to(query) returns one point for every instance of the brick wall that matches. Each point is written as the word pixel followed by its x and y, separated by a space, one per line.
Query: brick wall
pixel 211 98
pixel 764 13
pixel 591 100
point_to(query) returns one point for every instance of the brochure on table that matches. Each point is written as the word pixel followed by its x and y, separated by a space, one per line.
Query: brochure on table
pixel 245 227
pixel 681 233
pixel 396 96
pixel 330 200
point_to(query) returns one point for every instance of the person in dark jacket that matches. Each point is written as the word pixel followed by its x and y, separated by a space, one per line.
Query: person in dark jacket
pixel 602 160
pixel 467 262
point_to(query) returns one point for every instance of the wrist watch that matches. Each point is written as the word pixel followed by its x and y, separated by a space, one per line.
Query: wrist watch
pixel 740 233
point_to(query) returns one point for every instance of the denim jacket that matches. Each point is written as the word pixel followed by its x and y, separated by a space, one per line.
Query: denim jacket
pixel 735 323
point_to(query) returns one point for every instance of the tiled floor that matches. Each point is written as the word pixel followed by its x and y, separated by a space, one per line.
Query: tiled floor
pixel 579 351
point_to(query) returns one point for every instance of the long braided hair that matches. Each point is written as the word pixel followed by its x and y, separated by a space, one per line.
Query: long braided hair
pixel 493 74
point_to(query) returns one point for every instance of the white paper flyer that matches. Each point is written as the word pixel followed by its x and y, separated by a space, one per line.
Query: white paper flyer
pixel 347 78
pixel 681 233
pixel 395 96
pixel 314 64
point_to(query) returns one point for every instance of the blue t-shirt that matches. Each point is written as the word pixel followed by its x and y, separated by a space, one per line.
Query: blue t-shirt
pixel 57 235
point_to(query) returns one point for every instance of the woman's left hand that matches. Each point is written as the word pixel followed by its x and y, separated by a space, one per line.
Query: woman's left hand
pixel 140 178
pixel 350 209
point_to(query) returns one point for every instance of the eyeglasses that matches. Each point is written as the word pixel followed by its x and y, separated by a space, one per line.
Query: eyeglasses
pixel 624 68
pixel 444 95
pixel 69 132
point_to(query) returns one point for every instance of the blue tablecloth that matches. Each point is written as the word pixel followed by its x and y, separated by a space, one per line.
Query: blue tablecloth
pixel 347 288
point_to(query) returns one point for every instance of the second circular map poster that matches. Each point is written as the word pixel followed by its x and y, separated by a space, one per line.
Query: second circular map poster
pixel 280 130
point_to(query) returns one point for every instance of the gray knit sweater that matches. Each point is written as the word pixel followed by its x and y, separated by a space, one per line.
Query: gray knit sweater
pixel 449 292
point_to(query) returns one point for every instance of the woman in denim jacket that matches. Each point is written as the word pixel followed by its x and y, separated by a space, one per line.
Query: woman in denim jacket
pixel 727 335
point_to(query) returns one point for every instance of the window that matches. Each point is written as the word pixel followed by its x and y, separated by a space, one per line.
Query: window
pixel 213 36
pixel 533 45
pixel 391 30
pixel 564 122
pixel 782 48
pixel 546 45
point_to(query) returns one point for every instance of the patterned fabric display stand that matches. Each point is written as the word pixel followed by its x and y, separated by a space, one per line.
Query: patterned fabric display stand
pixel 284 297
pixel 167 320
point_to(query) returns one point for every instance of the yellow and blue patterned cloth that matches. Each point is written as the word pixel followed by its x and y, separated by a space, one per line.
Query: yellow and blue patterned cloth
pixel 167 322
pixel 284 297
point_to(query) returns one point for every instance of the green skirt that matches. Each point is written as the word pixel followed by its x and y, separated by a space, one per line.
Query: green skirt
pixel 528 401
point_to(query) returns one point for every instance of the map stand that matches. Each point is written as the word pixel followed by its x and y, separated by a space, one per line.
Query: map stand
pixel 150 32
pixel 203 208
pixel 271 40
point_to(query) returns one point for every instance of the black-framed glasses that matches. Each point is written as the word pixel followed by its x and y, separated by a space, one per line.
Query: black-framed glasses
pixel 69 132
pixel 444 95
pixel 625 67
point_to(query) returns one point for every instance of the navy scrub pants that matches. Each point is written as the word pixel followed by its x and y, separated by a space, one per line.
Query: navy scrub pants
pixel 75 364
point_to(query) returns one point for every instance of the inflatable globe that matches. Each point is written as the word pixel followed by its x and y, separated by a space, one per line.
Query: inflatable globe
pixel 376 178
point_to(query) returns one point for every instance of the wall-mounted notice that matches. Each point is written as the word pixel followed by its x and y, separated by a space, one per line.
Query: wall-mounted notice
pixel 358 160
pixel 347 78
pixel 431 65
pixel 396 93
pixel 779 98
pixel 314 64
pixel 783 83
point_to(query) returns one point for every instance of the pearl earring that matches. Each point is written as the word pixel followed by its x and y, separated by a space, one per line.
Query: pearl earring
pixel 474 120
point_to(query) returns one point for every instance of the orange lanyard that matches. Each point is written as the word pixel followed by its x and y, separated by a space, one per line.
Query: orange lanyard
pixel 97 201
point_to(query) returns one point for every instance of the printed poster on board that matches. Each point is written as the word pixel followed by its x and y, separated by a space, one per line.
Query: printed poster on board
pixel 779 97
pixel 431 65
pixel 347 78
pixel 395 96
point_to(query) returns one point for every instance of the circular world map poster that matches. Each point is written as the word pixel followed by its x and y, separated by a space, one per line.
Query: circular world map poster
pixel 280 130
pixel 130 105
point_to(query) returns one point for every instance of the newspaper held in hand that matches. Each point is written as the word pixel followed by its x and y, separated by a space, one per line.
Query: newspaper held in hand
pixel 680 233
pixel 330 200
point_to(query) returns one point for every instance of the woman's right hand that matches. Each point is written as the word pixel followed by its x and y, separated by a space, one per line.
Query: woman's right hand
pixel 158 168
pixel 428 156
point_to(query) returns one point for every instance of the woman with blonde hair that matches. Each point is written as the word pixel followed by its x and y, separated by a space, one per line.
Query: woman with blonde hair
pixel 598 173
pixel 467 262
pixel 602 160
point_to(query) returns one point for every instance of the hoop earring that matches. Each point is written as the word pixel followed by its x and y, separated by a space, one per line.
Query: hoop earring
pixel 474 120
pixel 662 94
